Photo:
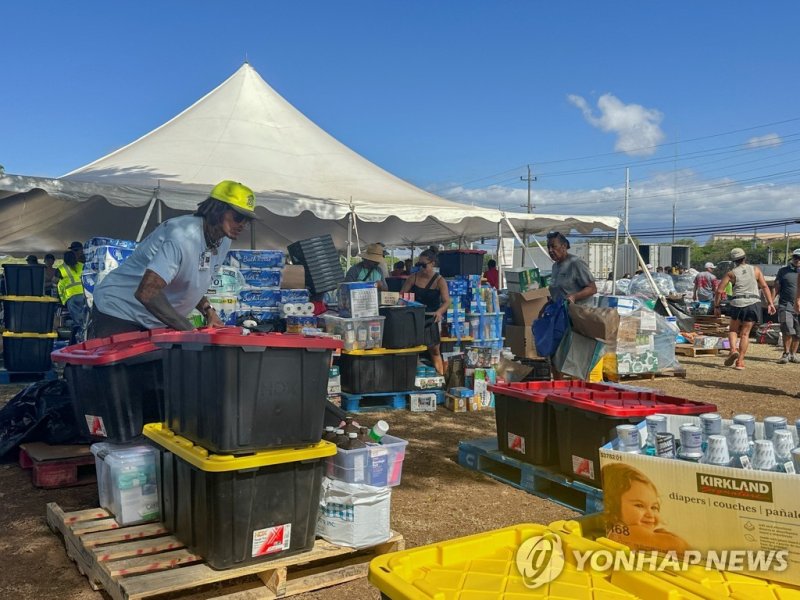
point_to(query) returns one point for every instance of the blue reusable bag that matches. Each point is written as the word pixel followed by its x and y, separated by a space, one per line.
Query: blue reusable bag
pixel 549 328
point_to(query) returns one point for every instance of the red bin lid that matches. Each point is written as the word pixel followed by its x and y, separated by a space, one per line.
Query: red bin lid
pixel 537 391
pixel 233 336
pixel 109 350
pixel 630 404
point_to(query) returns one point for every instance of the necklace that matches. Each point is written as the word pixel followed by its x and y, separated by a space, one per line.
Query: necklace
pixel 211 244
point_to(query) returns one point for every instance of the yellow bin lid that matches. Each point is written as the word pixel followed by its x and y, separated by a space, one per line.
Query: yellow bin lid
pixel 220 463
pixel 10 334
pixel 28 298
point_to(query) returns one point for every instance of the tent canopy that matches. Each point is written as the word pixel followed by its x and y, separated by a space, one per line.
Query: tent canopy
pixel 306 183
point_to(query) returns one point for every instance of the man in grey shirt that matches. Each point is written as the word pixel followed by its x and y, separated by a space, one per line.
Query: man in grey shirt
pixel 571 279
pixel 786 291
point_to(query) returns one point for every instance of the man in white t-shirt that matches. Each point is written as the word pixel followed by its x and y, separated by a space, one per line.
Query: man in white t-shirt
pixel 170 271
pixel 705 284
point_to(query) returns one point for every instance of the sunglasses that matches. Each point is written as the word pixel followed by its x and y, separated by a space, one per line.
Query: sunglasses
pixel 240 218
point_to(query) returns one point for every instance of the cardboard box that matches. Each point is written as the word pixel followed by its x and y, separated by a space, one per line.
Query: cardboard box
pixel 520 339
pixel 294 277
pixel 522 280
pixel 429 383
pixel 454 403
pixel 358 299
pixel 390 298
pixel 422 402
pixel 526 306
pixel 710 508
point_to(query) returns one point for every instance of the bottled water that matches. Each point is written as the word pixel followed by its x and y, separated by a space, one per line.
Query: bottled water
pixel 772 424
pixel 711 424
pixel 783 442
pixel 655 424
pixel 796 459
pixel 739 446
pixel 628 439
pixel 691 443
pixel 716 451
pixel 764 456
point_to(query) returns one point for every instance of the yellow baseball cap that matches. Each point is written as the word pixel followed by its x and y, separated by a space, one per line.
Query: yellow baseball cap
pixel 236 195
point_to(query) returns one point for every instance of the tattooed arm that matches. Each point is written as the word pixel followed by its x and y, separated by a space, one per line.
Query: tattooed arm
pixel 150 293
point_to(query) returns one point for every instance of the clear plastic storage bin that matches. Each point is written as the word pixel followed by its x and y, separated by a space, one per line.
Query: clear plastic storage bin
pixel 127 482
pixel 379 465
pixel 363 333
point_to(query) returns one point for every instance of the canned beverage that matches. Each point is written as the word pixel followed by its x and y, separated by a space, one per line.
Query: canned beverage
pixel 691 442
pixel 711 424
pixel 771 424
pixel 629 439
pixel 717 451
pixel 655 424
pixel 665 444
pixel 738 443
pixel 796 459
pixel 783 442
pixel 764 456
pixel 749 421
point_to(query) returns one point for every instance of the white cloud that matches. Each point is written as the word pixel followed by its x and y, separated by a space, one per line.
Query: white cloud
pixel 638 129
pixel 769 140
pixel 700 202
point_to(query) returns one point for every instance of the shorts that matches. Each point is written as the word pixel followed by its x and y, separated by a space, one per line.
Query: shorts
pixel 746 314
pixel 789 320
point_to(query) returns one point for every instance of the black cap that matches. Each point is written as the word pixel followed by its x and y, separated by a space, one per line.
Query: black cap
pixel 75 246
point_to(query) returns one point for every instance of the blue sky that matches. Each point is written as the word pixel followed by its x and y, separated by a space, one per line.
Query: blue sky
pixel 700 99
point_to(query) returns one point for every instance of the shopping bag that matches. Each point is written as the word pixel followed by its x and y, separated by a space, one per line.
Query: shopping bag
pixel 577 355
pixel 549 328
pixel 598 323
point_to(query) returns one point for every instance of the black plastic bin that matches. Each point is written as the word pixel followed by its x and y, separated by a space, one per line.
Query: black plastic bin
pixel 587 420
pixel 23 280
pixel 27 352
pixel 31 314
pixel 116 384
pixel 239 511
pixel 321 260
pixel 460 262
pixel 234 393
pixel 377 371
pixel 404 326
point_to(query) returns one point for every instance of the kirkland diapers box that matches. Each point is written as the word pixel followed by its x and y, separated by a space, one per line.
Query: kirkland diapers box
pixel 742 519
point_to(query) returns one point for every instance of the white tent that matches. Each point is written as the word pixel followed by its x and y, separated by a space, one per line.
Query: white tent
pixel 306 183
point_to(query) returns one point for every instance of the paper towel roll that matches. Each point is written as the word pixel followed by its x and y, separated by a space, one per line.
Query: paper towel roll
pixel 289 309
pixel 307 309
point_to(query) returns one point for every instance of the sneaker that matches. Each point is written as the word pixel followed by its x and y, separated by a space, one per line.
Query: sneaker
pixel 794 359
pixel 784 358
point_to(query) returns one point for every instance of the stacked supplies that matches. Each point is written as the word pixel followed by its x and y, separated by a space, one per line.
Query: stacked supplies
pixel 103 255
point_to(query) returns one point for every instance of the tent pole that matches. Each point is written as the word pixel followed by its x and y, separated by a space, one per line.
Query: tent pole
pixel 149 212
pixel 614 266
pixel 499 251
pixel 252 234
pixel 525 249
pixel 349 236
pixel 158 216
pixel 649 275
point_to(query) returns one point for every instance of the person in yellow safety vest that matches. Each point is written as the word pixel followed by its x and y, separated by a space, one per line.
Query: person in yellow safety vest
pixel 70 291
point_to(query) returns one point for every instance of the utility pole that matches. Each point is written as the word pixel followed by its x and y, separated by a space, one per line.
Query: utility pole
pixel 675 189
pixel 786 235
pixel 627 189
pixel 529 179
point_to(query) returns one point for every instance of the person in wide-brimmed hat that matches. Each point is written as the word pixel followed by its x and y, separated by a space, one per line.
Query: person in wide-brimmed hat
pixel 744 305
pixel 168 274
pixel 370 268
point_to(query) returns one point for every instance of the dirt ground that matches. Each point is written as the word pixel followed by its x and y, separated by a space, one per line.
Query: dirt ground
pixel 437 499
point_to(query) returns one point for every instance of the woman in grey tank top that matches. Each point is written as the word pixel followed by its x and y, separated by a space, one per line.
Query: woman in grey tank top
pixel 744 305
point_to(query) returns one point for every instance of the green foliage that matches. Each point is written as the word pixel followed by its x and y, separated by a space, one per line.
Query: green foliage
pixel 720 250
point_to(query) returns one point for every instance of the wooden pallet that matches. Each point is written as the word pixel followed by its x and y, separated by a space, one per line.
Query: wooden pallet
pixel 354 403
pixel 145 561
pixel 55 466
pixel 681 373
pixel 545 482
pixel 693 351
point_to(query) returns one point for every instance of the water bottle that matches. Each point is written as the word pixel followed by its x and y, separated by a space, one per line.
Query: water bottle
pixel 797 428
pixel 330 434
pixel 628 439
pixel 378 431
pixel 739 446
pixel 711 424
pixel 782 439
pixel 716 451
pixel 764 456
pixel 772 424
pixel 691 443
pixel 655 424
pixel 665 445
